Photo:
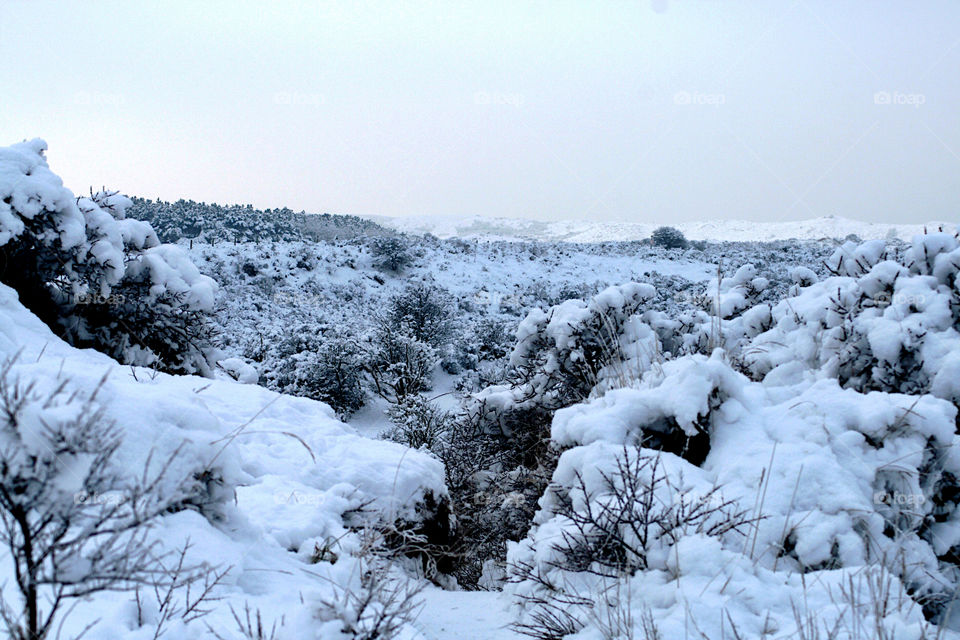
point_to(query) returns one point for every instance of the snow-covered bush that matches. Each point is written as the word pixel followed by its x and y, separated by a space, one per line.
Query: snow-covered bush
pixel 782 457
pixel 574 349
pixel 616 519
pixel 493 498
pixel 240 370
pixel 732 296
pixel 887 320
pixel 390 253
pixel 70 521
pixel 186 219
pixel 425 311
pixel 98 278
pixel 376 604
pixel 398 364
pixel 417 423
pixel 324 363
pixel 669 238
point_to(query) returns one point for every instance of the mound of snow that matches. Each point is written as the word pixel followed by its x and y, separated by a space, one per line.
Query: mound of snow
pixel 276 477
pixel 838 492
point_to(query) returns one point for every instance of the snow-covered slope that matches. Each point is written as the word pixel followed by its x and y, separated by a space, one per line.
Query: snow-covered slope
pixel 286 471
pixel 586 231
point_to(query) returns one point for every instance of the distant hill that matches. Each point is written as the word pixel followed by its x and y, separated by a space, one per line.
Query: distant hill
pixel 827 227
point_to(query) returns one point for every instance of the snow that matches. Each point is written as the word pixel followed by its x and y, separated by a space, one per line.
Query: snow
pixel 820 414
pixel 289 468
pixel 477 615
pixel 806 453
pixel 28 186
pixel 827 227
pixel 171 271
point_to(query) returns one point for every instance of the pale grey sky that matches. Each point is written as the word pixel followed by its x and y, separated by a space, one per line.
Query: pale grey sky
pixel 649 110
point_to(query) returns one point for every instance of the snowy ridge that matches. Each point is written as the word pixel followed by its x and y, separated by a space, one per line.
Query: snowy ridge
pixel 827 227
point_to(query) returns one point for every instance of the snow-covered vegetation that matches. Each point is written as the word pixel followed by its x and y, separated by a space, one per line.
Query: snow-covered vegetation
pixel 286 426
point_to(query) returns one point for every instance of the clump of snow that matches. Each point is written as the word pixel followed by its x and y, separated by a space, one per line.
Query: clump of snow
pixel 239 370
pixel 28 188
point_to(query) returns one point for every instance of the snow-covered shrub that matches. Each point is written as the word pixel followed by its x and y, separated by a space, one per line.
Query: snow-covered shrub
pixel 888 321
pixel 323 363
pixel 375 604
pixel 669 238
pixel 576 348
pixel 425 311
pixel 479 353
pixel 493 499
pixel 157 316
pixel 72 524
pixel 397 363
pixel 390 253
pixel 98 278
pixel 732 296
pixel 835 482
pixel 186 219
pixel 615 519
pixel 240 370
pixel 408 340
pixel 417 423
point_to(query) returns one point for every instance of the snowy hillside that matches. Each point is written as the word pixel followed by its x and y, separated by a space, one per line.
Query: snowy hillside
pixel 398 437
pixel 268 480
pixel 828 227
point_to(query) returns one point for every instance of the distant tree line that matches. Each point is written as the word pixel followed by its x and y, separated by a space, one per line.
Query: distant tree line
pixel 214 223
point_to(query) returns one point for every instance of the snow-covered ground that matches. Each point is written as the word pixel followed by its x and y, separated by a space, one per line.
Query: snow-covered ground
pixel 739 440
pixel 827 227
pixel 287 472
pixel 477 615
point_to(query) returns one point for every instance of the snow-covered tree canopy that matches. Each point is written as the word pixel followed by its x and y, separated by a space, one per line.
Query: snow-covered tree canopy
pixel 99 278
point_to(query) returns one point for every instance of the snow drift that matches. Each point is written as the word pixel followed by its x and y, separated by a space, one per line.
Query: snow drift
pixel 274 478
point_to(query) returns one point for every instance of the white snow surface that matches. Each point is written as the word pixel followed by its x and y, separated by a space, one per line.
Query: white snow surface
pixel 290 471
pixel 830 468
pixel 826 227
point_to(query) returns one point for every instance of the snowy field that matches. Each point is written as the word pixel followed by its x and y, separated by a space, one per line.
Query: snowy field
pixel 825 228
pixel 383 436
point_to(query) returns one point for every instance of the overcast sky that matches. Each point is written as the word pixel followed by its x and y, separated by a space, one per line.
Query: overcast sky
pixel 646 110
